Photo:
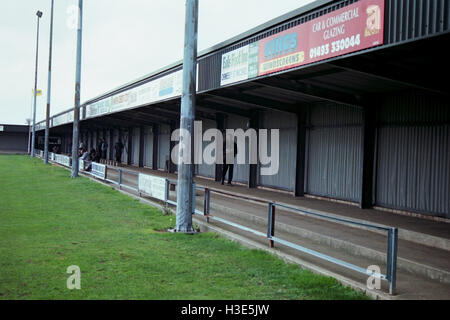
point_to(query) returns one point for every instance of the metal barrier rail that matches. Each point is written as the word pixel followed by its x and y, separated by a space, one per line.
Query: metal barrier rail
pixel 119 179
pixel 392 236
pixel 392 233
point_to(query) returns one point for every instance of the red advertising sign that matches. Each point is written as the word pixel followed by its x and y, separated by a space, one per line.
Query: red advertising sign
pixel 349 29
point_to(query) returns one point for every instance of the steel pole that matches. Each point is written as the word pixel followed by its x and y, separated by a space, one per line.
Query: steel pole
pixel 29 135
pixel 186 170
pixel 76 110
pixel 35 91
pixel 47 114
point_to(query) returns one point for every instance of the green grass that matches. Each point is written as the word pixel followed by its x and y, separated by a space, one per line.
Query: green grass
pixel 49 222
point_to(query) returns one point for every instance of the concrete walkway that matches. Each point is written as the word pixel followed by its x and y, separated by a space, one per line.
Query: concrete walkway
pixel 423 248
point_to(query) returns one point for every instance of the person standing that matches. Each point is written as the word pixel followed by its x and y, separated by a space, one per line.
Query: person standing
pixel 104 148
pixel 118 148
pixel 229 153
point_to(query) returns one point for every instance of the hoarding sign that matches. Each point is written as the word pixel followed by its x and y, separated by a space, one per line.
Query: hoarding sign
pixel 61 119
pixel 240 64
pixel 153 186
pixel 349 29
pixel 2 128
pixel 166 87
pixel 98 170
pixel 64 160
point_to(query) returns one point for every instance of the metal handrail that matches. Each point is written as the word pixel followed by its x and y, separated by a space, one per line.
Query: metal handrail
pixel 392 239
pixel 363 224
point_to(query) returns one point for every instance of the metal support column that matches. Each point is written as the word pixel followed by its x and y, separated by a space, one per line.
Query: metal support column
pixel 253 170
pixel 391 267
pixel 271 224
pixel 301 153
pixel 186 170
pixel 111 144
pixel 155 151
pixel 368 158
pixel 141 146
pixel 220 119
pixel 76 111
pixel 172 166
pixel 130 145
pixel 33 136
pixel 49 85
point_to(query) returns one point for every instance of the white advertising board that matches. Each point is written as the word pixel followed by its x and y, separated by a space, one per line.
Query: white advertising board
pixel 240 64
pixel 81 164
pixel 153 186
pixel 64 160
pixel 99 170
pixel 62 119
pixel 163 88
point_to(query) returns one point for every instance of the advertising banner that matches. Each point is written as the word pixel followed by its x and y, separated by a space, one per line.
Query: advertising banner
pixel 81 164
pixel 62 119
pixel 64 160
pixel 240 64
pixel 349 29
pixel 153 186
pixel 98 170
pixel 166 87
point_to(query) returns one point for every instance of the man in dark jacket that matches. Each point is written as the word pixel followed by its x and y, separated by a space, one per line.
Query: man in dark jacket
pixel 228 153
pixel 118 148
pixel 104 148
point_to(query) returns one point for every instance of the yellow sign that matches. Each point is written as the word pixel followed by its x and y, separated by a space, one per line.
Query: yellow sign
pixel 282 63
pixel 38 92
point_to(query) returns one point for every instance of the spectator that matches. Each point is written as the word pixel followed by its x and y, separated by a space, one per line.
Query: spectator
pixel 92 154
pixel 229 153
pixel 118 148
pixel 104 148
pixel 86 157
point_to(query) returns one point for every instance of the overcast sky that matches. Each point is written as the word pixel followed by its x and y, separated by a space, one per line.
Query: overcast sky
pixel 122 41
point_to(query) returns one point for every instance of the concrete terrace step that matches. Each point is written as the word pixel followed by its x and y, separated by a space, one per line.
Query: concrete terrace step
pixel 441 240
pixel 424 232
pixel 412 258
pixel 409 286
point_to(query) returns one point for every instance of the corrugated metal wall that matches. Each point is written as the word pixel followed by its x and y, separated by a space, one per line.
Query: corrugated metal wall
pixel 410 19
pixel 240 171
pixel 94 140
pixel 116 138
pixel 88 141
pixel 13 141
pixel 163 146
pixel 108 142
pixel 148 147
pixel 334 152
pixel 287 123
pixel 207 170
pixel 413 155
pixel 124 139
pixel 135 148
